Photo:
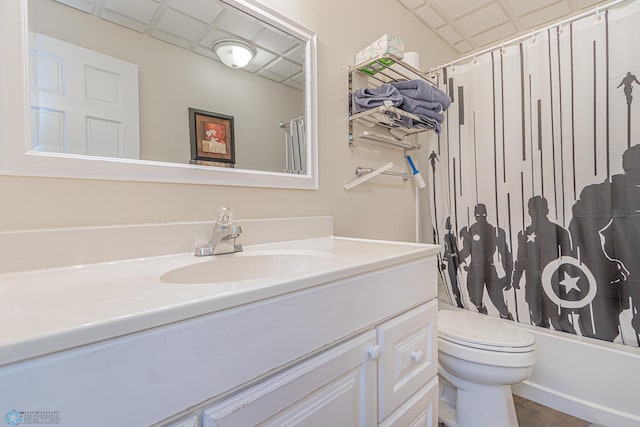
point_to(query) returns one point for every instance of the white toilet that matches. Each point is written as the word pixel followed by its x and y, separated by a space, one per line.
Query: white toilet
pixel 479 358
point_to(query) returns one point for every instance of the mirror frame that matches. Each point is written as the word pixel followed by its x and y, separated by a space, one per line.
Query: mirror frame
pixel 16 158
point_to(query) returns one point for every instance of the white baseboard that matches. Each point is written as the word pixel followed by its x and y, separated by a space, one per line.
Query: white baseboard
pixel 591 379
pixel 597 414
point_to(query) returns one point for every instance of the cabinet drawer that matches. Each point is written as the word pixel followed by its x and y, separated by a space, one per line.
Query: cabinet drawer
pixel 409 358
pixel 421 410
pixel 335 388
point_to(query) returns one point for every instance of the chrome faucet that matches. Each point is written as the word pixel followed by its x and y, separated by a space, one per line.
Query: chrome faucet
pixel 223 239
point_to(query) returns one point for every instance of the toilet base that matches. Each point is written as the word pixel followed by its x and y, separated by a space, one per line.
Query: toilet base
pixel 465 404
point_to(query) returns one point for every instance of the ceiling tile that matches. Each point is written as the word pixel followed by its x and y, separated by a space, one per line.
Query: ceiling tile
pixel 284 68
pixel 125 21
pixel 456 8
pixel 296 55
pixel 298 78
pixel 262 57
pixel 140 10
pixel 211 37
pixel 463 47
pixel 250 68
pixel 430 17
pixel 238 23
pixel 181 25
pixel 495 34
pixel 170 38
pixel 482 19
pixel 520 7
pixel 545 15
pixel 271 76
pixel 205 51
pixel 203 10
pixel 275 42
pixel 450 35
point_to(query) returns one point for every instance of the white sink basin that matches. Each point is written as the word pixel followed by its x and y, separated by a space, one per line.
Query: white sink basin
pixel 246 266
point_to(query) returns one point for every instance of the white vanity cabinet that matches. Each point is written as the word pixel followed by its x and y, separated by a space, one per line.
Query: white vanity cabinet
pixel 392 369
pixel 353 347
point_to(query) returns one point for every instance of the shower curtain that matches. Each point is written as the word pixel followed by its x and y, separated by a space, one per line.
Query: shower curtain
pixel 535 179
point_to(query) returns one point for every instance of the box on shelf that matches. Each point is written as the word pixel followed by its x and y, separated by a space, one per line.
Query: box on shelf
pixel 385 45
pixel 373 67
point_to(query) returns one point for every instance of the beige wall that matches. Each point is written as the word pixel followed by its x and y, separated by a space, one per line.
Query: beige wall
pixel 383 208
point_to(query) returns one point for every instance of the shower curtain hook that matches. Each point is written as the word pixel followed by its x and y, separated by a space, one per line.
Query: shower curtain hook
pixel 533 36
pixel 502 47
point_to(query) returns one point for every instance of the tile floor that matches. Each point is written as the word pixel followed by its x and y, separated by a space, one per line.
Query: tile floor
pixel 532 414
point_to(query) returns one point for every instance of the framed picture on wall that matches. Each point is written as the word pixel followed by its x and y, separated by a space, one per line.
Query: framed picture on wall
pixel 211 137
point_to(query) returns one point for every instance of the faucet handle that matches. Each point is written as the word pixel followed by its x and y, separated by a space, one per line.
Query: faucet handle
pixel 224 216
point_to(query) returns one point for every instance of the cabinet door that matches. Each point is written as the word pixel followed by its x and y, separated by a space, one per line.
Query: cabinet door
pixel 335 388
pixel 409 357
pixel 421 410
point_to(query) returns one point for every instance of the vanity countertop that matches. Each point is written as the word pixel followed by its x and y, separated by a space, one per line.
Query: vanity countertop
pixel 50 310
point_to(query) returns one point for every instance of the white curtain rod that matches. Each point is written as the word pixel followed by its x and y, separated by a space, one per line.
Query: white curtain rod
pixel 502 44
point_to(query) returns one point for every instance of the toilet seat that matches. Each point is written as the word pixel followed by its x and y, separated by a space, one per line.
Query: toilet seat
pixel 483 332
pixel 487 347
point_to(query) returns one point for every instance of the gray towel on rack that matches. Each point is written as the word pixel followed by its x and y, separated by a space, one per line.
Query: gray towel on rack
pixel 421 90
pixel 423 123
pixel 413 104
pixel 368 98
pixel 422 112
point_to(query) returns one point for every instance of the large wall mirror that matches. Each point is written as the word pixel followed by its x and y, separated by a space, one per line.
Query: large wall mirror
pixel 137 91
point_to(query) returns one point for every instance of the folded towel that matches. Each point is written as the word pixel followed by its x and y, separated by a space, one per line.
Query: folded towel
pixel 421 90
pixel 414 105
pixel 423 123
pixel 420 111
pixel 367 98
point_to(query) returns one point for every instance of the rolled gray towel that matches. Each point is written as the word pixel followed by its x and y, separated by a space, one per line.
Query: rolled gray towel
pixel 421 90
pixel 424 123
pixel 368 98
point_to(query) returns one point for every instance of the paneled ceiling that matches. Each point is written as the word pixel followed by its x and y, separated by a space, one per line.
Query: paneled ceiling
pixel 197 24
pixel 467 25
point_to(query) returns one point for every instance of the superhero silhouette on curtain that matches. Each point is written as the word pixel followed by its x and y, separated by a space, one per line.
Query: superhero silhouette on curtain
pixel 585 276
pixel 606 232
pixel 490 263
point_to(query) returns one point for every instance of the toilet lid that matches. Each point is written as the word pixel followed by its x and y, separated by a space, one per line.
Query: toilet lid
pixel 482 331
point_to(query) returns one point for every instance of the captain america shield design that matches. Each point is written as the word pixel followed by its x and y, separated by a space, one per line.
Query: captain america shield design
pixel 569 283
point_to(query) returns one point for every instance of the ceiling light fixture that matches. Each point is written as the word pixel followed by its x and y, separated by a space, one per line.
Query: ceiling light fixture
pixel 234 53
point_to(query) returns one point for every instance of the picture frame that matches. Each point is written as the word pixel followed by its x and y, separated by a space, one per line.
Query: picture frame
pixel 212 137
